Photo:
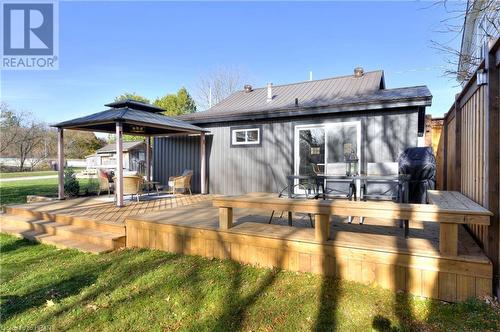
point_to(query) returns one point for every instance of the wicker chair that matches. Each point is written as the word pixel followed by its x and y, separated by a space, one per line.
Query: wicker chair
pixel 132 185
pixel 182 181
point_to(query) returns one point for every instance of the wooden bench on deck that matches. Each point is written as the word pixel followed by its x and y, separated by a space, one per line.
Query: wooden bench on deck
pixel 468 212
pixel 447 208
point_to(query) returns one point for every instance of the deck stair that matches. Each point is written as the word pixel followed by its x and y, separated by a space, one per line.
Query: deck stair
pixel 63 231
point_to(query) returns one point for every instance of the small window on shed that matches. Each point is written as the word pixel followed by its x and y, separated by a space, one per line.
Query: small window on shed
pixel 245 136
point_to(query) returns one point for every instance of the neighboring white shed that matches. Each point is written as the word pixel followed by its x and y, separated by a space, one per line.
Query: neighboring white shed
pixel 134 156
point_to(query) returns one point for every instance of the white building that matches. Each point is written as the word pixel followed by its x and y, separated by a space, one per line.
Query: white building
pixel 134 157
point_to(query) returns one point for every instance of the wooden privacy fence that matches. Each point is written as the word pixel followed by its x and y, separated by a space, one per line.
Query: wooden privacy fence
pixel 470 147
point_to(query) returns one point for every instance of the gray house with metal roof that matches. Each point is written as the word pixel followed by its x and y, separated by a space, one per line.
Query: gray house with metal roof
pixel 259 136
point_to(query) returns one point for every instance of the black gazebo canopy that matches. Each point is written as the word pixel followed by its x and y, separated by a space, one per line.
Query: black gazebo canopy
pixel 130 117
pixel 137 118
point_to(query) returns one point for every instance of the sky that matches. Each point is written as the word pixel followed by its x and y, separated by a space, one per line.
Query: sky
pixel 154 48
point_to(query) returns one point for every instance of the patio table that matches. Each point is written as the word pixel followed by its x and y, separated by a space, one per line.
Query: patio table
pixel 152 185
pixel 319 180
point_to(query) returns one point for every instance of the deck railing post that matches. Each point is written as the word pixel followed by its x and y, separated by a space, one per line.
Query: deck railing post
pixel 448 239
pixel 321 227
pixel 225 218
pixel 60 162
pixel 119 165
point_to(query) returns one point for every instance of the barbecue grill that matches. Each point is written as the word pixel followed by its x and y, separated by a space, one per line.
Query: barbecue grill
pixel 420 164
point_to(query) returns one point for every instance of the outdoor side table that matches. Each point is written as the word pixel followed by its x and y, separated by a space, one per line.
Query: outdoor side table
pixel 152 185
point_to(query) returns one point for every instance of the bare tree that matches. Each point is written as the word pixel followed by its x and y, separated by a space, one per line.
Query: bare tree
pixel 30 143
pixel 23 137
pixel 216 85
pixel 10 123
pixel 482 23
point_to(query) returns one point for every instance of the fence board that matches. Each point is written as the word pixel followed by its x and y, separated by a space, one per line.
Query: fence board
pixel 471 152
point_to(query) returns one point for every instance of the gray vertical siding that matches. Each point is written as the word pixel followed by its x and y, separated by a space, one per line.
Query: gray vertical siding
pixel 171 156
pixel 236 170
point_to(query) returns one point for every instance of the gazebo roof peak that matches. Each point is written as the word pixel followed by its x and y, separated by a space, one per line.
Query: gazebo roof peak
pixel 136 105
pixel 137 118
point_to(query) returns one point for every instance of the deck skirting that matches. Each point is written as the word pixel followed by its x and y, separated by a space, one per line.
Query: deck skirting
pixel 433 276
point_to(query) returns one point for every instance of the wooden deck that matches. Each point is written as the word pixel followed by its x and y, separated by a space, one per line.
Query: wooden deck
pixel 375 234
pixel 91 224
pixel 103 210
pixel 374 253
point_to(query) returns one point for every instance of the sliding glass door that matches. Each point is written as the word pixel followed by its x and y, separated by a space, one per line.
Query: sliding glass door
pixel 310 150
pixel 343 141
pixel 322 149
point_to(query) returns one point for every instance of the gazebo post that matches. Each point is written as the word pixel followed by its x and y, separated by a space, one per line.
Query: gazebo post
pixel 148 158
pixel 119 164
pixel 203 163
pixel 60 162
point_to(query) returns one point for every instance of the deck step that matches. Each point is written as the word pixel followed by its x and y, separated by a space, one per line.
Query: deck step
pixel 19 231
pixel 57 240
pixel 17 221
pixel 61 235
pixel 23 212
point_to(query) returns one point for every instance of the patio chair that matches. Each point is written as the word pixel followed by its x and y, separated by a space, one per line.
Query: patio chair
pixel 380 190
pixel 132 185
pixel 335 188
pixel 182 181
pixel 104 183
pixel 309 192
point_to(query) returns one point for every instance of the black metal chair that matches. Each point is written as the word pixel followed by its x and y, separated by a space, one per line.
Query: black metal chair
pixel 337 193
pixel 392 194
pixel 350 194
pixel 310 192
pixel 332 192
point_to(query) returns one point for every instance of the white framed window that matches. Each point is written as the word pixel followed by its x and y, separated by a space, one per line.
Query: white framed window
pixel 245 136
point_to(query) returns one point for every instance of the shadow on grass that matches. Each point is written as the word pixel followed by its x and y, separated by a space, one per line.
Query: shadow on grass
pixel 15 245
pixel 383 324
pixel 326 320
pixel 122 270
pixel 236 305
pixel 12 305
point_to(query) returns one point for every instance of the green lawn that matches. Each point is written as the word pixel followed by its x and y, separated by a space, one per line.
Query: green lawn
pixel 26 174
pixel 148 290
pixel 16 191
pixel 7 175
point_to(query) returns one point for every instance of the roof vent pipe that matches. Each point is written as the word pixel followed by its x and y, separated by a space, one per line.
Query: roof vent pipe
pixel 269 92
pixel 296 102
pixel 358 72
pixel 248 88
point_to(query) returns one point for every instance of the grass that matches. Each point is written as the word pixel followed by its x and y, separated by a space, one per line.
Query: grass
pixel 25 174
pixel 8 175
pixel 148 290
pixel 15 192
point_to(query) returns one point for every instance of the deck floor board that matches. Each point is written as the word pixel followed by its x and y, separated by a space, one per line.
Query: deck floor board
pixel 103 210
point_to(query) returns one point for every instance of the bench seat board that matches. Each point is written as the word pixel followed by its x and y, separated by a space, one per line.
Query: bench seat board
pixel 462 213
pixel 453 200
